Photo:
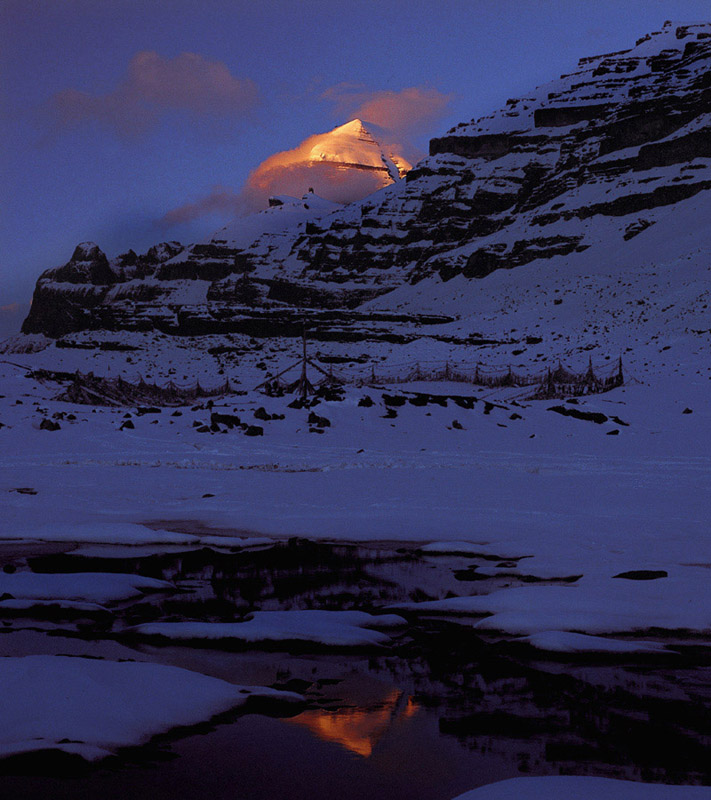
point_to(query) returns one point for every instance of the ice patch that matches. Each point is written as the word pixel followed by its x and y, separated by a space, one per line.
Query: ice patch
pixel 567 787
pixel 594 606
pixel 91 707
pixel 566 642
pixel 90 587
pixel 329 628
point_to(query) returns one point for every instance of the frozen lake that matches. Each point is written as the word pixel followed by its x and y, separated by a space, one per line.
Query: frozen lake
pixel 440 709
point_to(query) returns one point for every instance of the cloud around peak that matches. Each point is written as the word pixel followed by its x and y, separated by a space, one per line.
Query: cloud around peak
pixel 408 111
pixel 154 86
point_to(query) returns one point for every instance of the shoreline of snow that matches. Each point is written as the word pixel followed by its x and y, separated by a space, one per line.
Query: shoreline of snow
pixel 93 708
pixel 568 787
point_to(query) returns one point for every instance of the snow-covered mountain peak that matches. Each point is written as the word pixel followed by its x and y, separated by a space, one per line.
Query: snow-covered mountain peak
pixel 86 251
pixel 361 146
pixel 601 169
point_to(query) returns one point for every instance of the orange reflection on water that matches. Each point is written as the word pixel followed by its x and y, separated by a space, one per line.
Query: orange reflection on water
pixel 358 729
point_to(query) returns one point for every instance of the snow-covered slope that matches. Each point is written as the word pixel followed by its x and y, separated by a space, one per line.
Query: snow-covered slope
pixel 282 217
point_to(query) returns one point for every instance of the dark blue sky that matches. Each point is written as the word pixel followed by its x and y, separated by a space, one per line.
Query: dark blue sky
pixel 99 144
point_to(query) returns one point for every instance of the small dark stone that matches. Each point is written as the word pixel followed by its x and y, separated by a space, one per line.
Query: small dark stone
pixel 48 425
pixel 643 574
pixel 127 424
pixel 261 413
pixel 613 433
pixel 515 416
pixel 319 422
pixel 419 400
pixel 9 569
pixel 687 411
pixel 457 425
pixel 254 430
pixel 230 420
pixel 588 416
pixel 208 494
pixel 203 429
pixel 365 401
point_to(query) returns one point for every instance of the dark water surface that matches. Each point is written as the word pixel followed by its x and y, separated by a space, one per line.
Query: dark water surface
pixel 442 711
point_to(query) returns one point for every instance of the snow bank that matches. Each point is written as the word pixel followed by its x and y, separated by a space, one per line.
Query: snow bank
pixel 565 642
pixel 90 587
pixel 91 707
pixel 567 787
pixel 114 532
pixel 595 606
pixel 126 533
pixel 329 628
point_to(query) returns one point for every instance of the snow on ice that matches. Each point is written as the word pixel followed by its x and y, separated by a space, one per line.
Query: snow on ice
pixel 567 787
pixel 328 628
pixel 92 708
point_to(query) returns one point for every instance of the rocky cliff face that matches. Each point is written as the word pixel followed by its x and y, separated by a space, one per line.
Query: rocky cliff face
pixel 594 154
pixel 589 162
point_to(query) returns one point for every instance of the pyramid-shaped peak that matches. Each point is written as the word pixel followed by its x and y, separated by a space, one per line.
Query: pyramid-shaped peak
pixel 356 145
pixel 354 125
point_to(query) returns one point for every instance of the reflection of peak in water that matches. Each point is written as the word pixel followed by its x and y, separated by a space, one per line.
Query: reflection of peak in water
pixel 358 729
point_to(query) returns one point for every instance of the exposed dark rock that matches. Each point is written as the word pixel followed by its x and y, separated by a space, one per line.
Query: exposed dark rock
pixel 317 421
pixel 643 574
pixel 229 420
pixel 49 425
pixel 588 416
